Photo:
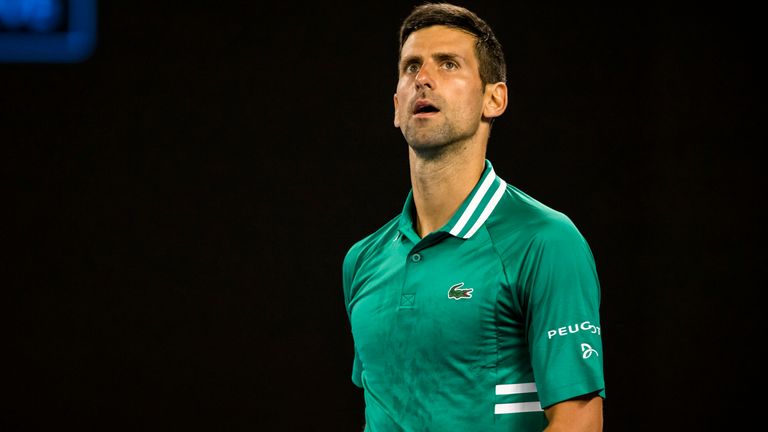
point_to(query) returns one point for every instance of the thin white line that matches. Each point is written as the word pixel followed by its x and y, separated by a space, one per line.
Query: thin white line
pixel 473 204
pixel 508 389
pixel 488 209
pixel 519 407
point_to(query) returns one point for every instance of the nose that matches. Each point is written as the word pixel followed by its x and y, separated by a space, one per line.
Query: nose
pixel 424 77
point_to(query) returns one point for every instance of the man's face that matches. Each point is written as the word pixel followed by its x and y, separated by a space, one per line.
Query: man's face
pixel 440 96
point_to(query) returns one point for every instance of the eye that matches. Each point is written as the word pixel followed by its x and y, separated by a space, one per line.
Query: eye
pixel 450 65
pixel 411 68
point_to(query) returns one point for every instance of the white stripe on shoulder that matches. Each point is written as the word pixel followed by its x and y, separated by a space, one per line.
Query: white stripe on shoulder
pixel 488 209
pixel 473 204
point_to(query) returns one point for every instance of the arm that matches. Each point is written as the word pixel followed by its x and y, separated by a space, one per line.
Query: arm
pixel 581 414
pixel 563 302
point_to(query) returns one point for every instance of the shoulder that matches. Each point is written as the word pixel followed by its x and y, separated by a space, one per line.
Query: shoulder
pixel 368 245
pixel 519 218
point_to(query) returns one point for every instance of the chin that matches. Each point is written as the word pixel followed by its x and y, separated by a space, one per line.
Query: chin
pixel 430 148
pixel 425 142
pixel 426 138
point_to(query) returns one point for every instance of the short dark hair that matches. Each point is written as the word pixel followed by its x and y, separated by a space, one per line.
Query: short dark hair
pixel 493 68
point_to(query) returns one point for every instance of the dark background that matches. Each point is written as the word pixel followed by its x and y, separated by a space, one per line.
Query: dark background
pixel 179 206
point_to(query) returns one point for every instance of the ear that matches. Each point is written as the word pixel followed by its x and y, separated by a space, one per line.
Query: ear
pixel 397 109
pixel 495 100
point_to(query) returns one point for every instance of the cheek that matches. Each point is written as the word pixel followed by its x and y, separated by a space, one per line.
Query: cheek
pixel 402 100
pixel 401 89
pixel 471 98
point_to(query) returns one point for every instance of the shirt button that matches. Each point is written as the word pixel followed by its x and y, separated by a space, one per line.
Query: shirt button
pixel 415 257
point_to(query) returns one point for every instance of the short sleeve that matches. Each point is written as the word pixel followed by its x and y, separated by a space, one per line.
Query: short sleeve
pixel 348 271
pixel 560 283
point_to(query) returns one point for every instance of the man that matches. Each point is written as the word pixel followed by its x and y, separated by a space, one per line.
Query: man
pixel 476 309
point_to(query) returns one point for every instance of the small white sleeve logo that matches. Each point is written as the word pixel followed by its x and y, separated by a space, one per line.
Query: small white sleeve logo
pixel 587 351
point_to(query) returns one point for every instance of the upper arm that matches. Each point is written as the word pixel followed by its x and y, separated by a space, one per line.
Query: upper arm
pixel 562 314
pixel 348 270
pixel 581 414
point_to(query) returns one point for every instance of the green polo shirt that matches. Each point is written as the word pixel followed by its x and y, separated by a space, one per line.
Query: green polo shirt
pixel 478 325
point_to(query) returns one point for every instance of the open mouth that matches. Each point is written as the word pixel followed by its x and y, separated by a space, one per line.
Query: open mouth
pixel 423 107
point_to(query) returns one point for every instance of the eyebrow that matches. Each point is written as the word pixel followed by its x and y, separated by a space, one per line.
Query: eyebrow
pixel 440 56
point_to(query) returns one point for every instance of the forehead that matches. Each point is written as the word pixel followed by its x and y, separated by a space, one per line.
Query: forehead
pixel 440 39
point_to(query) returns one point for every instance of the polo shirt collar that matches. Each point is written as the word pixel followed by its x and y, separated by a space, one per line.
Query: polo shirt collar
pixel 472 213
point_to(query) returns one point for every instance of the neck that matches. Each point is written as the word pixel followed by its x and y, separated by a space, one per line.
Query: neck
pixel 441 184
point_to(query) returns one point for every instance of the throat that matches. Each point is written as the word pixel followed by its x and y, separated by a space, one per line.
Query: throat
pixel 440 188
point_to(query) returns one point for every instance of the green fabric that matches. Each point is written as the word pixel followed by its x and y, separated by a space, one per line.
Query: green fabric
pixel 505 294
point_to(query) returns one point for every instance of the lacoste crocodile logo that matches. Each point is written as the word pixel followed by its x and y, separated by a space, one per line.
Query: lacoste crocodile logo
pixel 457 292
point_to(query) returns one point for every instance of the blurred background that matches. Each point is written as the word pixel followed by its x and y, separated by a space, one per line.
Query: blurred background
pixel 184 179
